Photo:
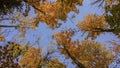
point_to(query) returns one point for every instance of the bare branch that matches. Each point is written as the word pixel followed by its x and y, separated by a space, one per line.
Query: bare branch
pixel 104 30
pixel 6 19
pixel 15 26
pixel 101 30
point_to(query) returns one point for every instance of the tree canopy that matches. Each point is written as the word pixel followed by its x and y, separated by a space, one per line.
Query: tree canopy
pixel 22 16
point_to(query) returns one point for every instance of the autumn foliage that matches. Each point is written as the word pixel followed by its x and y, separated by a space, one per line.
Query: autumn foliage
pixel 20 18
pixel 89 53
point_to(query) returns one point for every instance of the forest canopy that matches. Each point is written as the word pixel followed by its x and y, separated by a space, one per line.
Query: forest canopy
pixel 23 21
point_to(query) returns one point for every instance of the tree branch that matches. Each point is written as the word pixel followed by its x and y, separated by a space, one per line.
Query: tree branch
pixel 6 19
pixel 104 30
pixel 35 7
pixel 38 9
pixel 79 64
pixel 101 30
pixel 15 26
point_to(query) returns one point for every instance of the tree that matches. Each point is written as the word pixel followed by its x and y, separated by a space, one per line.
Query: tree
pixel 9 55
pixel 94 25
pixel 33 59
pixel 86 53
pixel 9 6
pixel 111 15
